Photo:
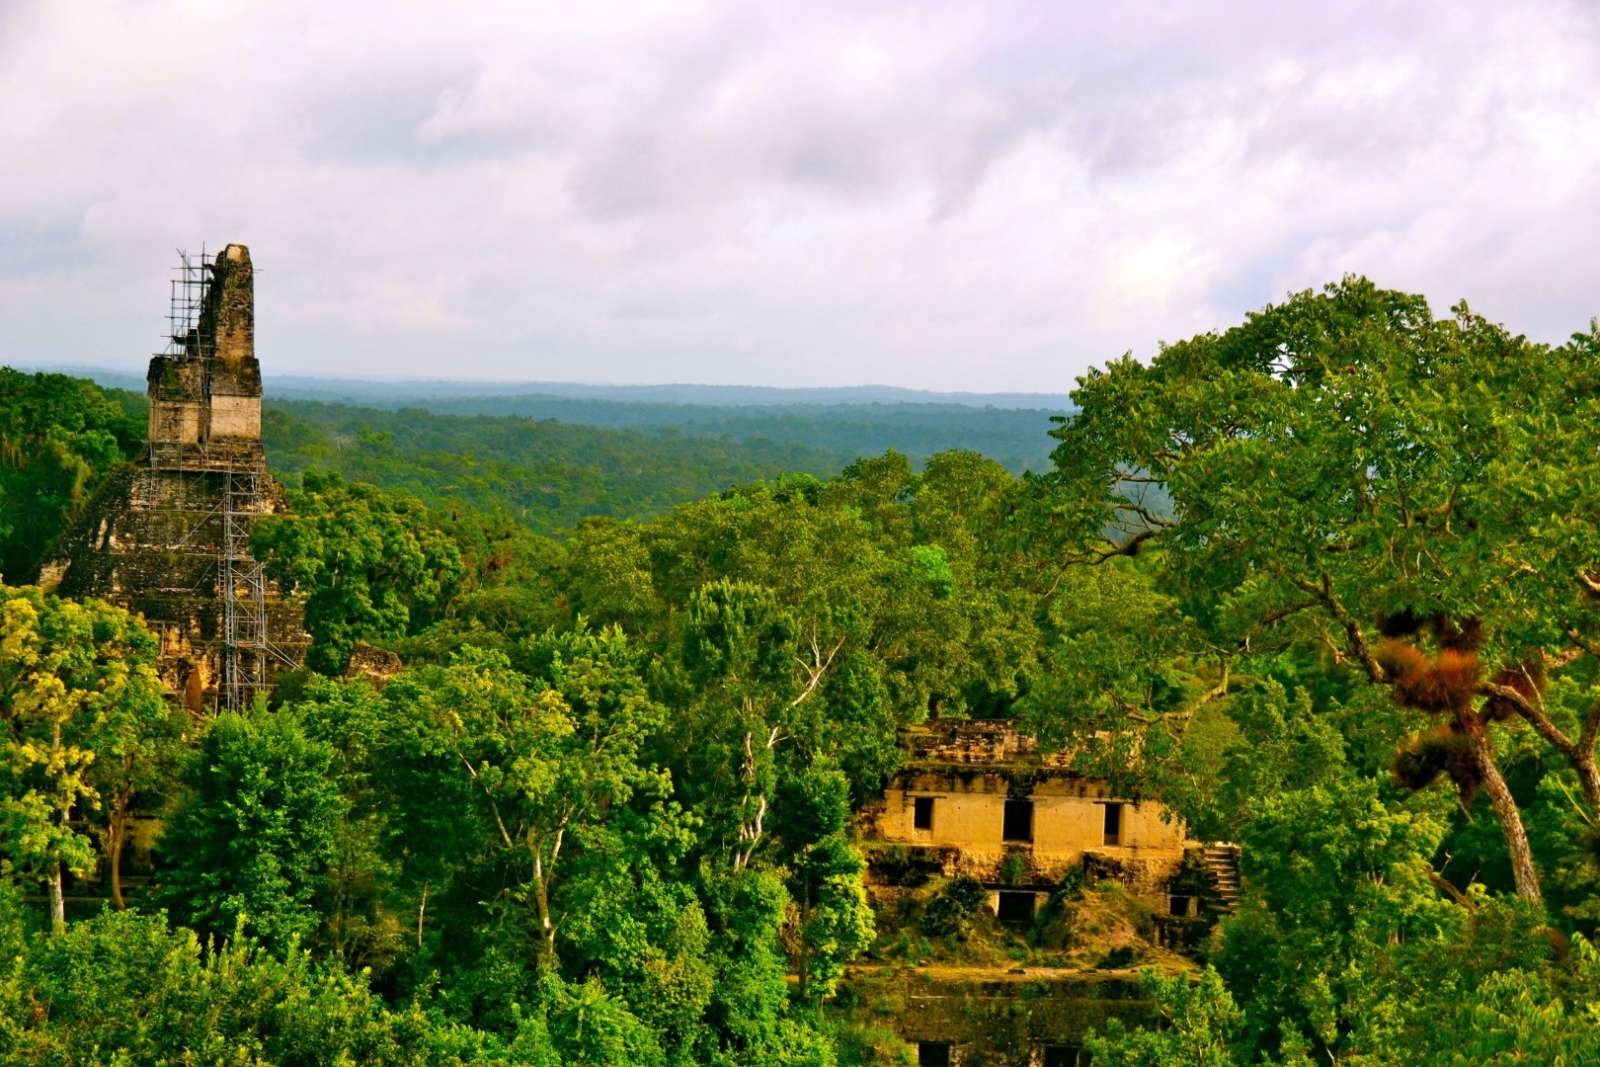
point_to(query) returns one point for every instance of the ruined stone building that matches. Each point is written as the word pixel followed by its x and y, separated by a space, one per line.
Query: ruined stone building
pixel 978 800
pixel 168 537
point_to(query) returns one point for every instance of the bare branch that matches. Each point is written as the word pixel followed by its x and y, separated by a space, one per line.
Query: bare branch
pixel 493 806
pixel 817 668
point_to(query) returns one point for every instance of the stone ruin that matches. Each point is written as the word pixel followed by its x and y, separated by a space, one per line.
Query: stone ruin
pixel 981 801
pixel 169 537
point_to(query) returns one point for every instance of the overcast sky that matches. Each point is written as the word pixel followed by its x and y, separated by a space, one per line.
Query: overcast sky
pixel 944 195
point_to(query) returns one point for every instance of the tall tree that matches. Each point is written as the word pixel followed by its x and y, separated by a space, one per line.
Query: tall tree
pixel 59 437
pixel 72 675
pixel 1344 460
pixel 251 843
pixel 834 921
pixel 526 766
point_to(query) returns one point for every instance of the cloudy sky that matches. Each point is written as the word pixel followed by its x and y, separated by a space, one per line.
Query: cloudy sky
pixel 982 196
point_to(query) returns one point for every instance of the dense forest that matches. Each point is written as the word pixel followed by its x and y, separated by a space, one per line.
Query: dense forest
pixel 1014 437
pixel 1326 583
pixel 803 427
pixel 547 474
pixel 546 461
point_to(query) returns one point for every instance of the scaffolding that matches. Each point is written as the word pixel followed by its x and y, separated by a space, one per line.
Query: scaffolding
pixel 191 282
pixel 244 611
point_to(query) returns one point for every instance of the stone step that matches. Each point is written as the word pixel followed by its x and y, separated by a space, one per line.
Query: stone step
pixel 1223 863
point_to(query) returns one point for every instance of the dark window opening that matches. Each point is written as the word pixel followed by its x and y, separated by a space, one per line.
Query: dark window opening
pixel 1018 825
pixel 1179 904
pixel 1113 824
pixel 1015 907
pixel 933 1054
pixel 922 813
pixel 1065 1056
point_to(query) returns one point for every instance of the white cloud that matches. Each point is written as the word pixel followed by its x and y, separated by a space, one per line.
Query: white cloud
pixel 937 194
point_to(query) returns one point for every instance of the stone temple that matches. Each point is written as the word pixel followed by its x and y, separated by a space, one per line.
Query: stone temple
pixel 169 537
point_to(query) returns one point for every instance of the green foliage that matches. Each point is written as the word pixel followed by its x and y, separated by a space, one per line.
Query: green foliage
pixel 605 813
pixel 1518 1015
pixel 59 436
pixel 1014 867
pixel 548 475
pixel 127 988
pixel 833 918
pixel 251 844
pixel 1336 875
pixel 1202 1026
pixel 953 909
pixel 77 686
pixel 1344 460
pixel 367 562
pixel 362 927
pixel 527 765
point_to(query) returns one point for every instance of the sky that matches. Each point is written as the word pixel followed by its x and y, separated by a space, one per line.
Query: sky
pixel 980 196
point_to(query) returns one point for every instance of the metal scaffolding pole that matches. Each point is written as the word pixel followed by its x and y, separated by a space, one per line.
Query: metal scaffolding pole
pixel 244 611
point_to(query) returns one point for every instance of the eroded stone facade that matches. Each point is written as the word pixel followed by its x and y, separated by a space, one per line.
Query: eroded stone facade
pixel 978 799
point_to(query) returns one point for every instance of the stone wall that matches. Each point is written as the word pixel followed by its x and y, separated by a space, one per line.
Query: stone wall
pixel 177 392
pixel 962 779
pixel 211 390
pixel 990 1020
pixel 229 315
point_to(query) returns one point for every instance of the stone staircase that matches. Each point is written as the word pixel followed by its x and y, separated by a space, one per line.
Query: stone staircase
pixel 1223 860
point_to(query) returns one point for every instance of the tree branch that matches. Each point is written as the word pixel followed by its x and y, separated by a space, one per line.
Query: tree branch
pixel 1535 715
pixel 1354 635
pixel 817 667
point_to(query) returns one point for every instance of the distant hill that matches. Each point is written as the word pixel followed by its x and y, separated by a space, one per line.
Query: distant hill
pixel 417 393
pixel 851 421
pixel 548 474
pixel 548 460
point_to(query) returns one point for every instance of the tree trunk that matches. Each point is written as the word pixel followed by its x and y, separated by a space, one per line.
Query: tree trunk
pixel 116 832
pixel 541 896
pixel 1505 809
pixel 58 901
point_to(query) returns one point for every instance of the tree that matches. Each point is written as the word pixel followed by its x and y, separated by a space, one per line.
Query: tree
pixel 365 559
pixel 834 921
pixel 1336 879
pixel 1344 460
pixel 77 686
pixel 129 988
pixel 1202 1028
pixel 350 717
pixel 59 437
pixel 249 847
pixel 737 653
pixel 139 743
pixel 514 769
